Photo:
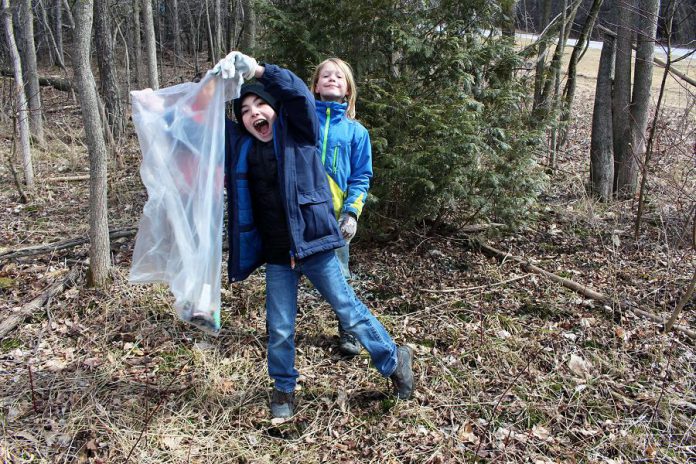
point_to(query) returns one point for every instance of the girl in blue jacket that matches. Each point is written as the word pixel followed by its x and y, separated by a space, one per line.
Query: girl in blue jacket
pixel 346 154
pixel 280 213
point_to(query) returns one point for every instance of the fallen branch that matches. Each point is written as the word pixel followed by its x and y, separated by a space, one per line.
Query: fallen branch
pixel 469 289
pixel 676 72
pixel 68 178
pixel 59 109
pixel 57 83
pixel 48 248
pixel 583 290
pixel 15 318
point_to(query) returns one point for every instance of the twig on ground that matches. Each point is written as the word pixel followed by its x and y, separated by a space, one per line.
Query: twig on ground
pixel 68 178
pixel 586 291
pixel 11 321
pixel 468 289
pixel 41 249
pixel 154 411
pixel 33 391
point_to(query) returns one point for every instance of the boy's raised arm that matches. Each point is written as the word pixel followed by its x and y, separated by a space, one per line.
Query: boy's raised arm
pixel 297 100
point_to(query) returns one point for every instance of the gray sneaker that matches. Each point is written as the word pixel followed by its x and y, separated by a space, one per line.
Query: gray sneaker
pixel 402 378
pixel 282 404
pixel 348 345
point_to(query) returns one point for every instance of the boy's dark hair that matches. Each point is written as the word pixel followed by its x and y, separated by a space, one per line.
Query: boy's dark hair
pixel 256 89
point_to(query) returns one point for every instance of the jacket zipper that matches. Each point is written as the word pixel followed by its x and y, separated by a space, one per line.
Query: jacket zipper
pixel 326 135
pixel 335 157
pixel 281 178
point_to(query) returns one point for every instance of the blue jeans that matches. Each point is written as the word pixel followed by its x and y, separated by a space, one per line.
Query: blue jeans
pixel 324 271
pixel 343 255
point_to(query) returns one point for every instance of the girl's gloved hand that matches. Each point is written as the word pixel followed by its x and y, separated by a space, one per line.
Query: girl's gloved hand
pixel 236 62
pixel 348 225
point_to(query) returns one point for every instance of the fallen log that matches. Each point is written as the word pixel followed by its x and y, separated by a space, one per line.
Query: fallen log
pixel 57 83
pixel 56 246
pixel 583 290
pixel 68 178
pixel 14 319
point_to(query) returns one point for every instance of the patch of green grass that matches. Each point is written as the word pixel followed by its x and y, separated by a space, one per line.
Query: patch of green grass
pixel 6 282
pixel 387 403
pixel 535 416
pixel 540 309
pixel 593 344
pixel 9 344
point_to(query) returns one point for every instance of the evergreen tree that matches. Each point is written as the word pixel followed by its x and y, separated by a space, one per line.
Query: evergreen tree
pixel 448 123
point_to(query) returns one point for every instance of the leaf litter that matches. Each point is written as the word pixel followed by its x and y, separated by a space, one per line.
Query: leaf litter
pixel 517 371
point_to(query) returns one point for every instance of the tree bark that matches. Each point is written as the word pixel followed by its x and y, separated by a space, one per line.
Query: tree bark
pixel 108 79
pixel 540 73
pixel 22 108
pixel 578 51
pixel 99 254
pixel 640 102
pixel 30 72
pixel 651 138
pixel 137 45
pixel 601 146
pixel 68 14
pixel 176 24
pixel 624 162
pixel 248 39
pixel 58 33
pixel 150 45
pixel 219 49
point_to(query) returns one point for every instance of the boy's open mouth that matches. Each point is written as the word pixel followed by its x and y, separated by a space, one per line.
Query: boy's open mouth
pixel 262 127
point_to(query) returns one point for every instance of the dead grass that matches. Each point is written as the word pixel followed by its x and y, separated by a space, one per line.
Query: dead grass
pixel 520 372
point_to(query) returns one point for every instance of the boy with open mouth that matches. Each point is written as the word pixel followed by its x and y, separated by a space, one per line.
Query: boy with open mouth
pixel 280 213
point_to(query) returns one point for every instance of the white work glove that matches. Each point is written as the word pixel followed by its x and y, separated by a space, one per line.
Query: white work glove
pixel 236 62
pixel 348 225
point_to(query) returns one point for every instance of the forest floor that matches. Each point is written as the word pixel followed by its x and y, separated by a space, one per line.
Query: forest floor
pixel 510 366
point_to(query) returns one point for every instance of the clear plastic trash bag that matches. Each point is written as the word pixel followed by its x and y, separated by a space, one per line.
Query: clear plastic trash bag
pixel 181 130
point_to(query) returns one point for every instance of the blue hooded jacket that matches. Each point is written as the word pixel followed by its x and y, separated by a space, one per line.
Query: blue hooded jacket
pixel 346 153
pixel 304 186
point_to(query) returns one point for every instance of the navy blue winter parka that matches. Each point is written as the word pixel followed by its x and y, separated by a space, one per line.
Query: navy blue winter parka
pixel 304 186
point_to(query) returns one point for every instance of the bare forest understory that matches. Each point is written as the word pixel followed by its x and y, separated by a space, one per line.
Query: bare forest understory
pixel 510 366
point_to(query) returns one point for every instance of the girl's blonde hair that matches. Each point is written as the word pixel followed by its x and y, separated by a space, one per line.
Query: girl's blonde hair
pixel 351 91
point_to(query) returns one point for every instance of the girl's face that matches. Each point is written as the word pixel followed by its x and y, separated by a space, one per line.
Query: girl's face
pixel 258 117
pixel 331 84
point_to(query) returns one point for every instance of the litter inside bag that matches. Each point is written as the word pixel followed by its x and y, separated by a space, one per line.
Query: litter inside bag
pixel 181 130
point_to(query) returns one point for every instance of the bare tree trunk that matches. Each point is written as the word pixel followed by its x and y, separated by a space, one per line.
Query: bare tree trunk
pixel 212 52
pixel 651 139
pixel 232 22
pixel 601 147
pixel 107 73
pixel 58 33
pixel 640 101
pixel 219 49
pixel 540 73
pixel 55 54
pixel 126 58
pixel 137 44
pixel 624 162
pixel 248 39
pixel 150 45
pixel 22 109
pixel 99 254
pixel 71 21
pixel 177 31
pixel 31 73
pixel 575 57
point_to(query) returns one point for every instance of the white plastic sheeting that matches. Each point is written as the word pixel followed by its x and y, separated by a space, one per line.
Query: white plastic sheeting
pixel 181 130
